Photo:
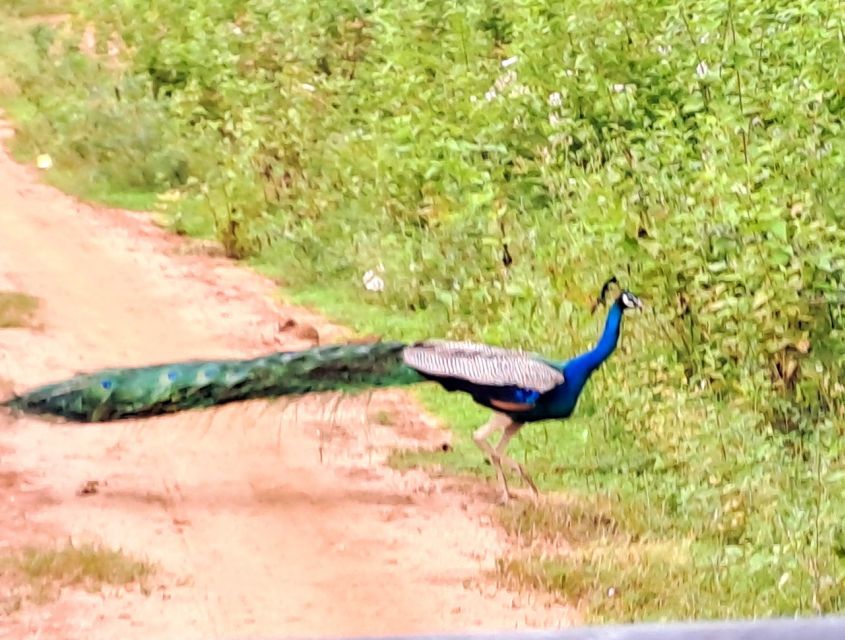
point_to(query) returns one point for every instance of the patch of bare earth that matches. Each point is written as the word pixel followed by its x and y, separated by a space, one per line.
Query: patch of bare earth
pixel 264 519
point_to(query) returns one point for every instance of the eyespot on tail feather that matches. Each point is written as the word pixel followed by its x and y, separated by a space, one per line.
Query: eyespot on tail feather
pixel 114 394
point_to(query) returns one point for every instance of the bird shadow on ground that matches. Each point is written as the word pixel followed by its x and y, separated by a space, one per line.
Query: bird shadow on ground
pixel 274 497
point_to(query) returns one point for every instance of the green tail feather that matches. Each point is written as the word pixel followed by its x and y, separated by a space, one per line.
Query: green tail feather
pixel 114 394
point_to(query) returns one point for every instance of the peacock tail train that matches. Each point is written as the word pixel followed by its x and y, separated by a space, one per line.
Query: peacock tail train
pixel 114 394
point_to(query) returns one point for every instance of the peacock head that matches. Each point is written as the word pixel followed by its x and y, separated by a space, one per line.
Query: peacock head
pixel 626 300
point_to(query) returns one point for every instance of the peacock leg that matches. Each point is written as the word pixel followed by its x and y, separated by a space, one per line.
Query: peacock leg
pixel 497 422
pixel 510 431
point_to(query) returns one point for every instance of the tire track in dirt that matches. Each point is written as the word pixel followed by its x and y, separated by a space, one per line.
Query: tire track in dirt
pixel 266 519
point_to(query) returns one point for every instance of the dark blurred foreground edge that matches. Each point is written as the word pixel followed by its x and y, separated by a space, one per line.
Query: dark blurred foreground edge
pixel 823 628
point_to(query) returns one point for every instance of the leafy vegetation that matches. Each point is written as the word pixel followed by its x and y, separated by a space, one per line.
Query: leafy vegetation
pixel 500 160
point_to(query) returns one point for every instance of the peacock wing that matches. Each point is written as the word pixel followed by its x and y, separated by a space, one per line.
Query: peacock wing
pixel 482 364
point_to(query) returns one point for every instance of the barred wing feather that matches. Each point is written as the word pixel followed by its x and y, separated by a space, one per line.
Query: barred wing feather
pixel 482 364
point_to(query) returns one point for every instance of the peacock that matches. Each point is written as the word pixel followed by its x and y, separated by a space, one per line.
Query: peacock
pixel 519 387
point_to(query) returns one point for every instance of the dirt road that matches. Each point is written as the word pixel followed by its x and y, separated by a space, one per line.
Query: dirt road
pixel 263 520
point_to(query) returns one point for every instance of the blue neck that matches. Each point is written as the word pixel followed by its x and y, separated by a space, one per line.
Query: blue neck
pixel 581 367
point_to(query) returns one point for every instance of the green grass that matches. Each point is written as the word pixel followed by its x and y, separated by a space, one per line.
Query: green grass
pixel 38 574
pixel 619 583
pixel 74 184
pixel 589 553
pixel 702 471
pixel 17 309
